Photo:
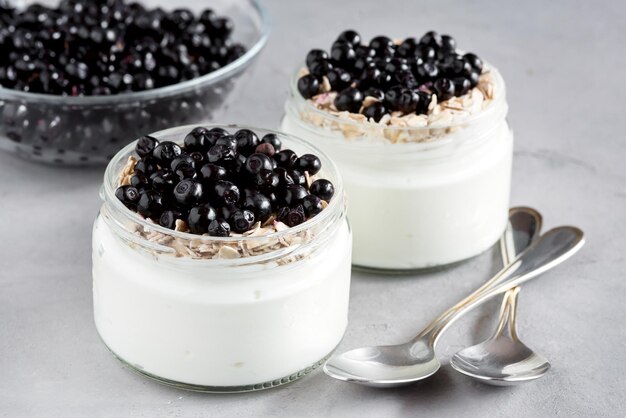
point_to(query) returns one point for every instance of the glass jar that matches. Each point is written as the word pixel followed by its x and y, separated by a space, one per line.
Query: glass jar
pixel 264 311
pixel 420 196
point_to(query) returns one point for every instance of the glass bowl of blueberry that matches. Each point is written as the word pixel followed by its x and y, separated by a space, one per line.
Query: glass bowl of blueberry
pixel 77 78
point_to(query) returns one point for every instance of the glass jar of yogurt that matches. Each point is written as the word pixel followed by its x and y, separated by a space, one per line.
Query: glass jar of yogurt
pixel 424 190
pixel 221 314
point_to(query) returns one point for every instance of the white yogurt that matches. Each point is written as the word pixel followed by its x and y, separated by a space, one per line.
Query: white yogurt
pixel 421 205
pixel 191 323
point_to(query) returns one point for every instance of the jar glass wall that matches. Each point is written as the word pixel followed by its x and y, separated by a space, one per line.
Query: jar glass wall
pixel 420 196
pixel 264 311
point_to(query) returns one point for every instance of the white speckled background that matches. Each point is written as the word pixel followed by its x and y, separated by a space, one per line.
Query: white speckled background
pixel 564 62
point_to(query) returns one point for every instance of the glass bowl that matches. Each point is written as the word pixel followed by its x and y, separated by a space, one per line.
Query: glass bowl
pixel 89 130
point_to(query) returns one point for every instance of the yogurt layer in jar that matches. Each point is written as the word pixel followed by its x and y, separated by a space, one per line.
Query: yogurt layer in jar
pixel 236 313
pixel 424 190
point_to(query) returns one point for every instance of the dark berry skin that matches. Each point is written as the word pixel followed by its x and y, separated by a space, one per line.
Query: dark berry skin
pixel 221 154
pixel 165 152
pixel 199 158
pixel 145 146
pixel 247 141
pixel 257 162
pixel 210 173
pixel 163 181
pixel 349 99
pixel 432 39
pixel 422 104
pixel 426 71
pixel 448 43
pixel 196 140
pixel 128 195
pixel 228 141
pixel 188 192
pixel 312 205
pixel 183 166
pixel 474 61
pixel 343 54
pixel 259 204
pixel 139 180
pixel 315 55
pixel 402 99
pixel 461 85
pixel 323 189
pixel 146 166
pixel 219 228
pixel 297 177
pixel 200 217
pixel 339 79
pixel 308 86
pixel 284 178
pixel 285 158
pixel 273 140
pixel 150 204
pixel 321 68
pixel 292 216
pixel 444 89
pixel 226 192
pixel 310 163
pixel 241 221
pixel 381 43
pixel 375 111
pixel 169 217
pixel 293 195
pixel 350 36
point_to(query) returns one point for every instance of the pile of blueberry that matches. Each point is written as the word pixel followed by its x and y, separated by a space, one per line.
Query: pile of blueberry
pixel 402 77
pixel 109 46
pixel 217 182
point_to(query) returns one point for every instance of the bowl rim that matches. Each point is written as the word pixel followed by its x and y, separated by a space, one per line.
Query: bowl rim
pixel 173 89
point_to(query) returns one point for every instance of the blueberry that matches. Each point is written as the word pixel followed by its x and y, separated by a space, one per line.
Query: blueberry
pixel 145 146
pixel 139 180
pixel 226 192
pixel 401 99
pixel 432 39
pixel 298 177
pixel 314 56
pixel 219 228
pixel 461 85
pixel 196 140
pixel 259 204
pixel 188 192
pixel 474 61
pixel 200 217
pixel 339 79
pixel 310 163
pixel 380 43
pixel 312 205
pixel 163 181
pixel 293 195
pixel 444 89
pixel 146 166
pixel 349 99
pixel 426 71
pixel 241 221
pixel 169 217
pixel 257 162
pixel 343 54
pixel 285 158
pixel 323 189
pixel 210 173
pixel 375 111
pixel 199 158
pixel 266 149
pixel 273 140
pixel 128 195
pixel 423 102
pixel 247 141
pixel 448 43
pixel 350 36
pixel 292 216
pixel 321 68
pixel 228 141
pixel 150 204
pixel 221 154
pixel 308 86
pixel 165 152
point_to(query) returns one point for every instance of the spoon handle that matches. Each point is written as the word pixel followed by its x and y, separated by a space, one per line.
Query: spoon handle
pixel 522 230
pixel 550 250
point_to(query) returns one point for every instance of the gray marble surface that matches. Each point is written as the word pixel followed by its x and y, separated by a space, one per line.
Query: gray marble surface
pixel 564 63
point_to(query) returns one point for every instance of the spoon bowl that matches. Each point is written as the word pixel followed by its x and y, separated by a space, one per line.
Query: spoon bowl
pixel 500 362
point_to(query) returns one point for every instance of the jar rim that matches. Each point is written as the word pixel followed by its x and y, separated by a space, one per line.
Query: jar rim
pixel 302 103
pixel 335 206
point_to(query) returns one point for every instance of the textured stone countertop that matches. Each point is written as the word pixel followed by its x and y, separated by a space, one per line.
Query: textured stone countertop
pixel 564 63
